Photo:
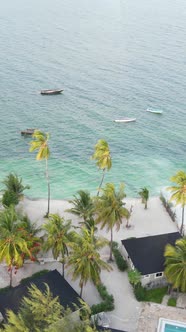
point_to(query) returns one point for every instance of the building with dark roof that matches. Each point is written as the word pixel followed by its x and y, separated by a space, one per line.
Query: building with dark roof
pixel 146 254
pixel 57 284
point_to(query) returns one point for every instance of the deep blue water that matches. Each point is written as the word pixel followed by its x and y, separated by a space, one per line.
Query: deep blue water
pixel 114 59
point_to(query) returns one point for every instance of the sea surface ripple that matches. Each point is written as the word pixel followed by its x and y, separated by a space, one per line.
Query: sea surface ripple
pixel 114 59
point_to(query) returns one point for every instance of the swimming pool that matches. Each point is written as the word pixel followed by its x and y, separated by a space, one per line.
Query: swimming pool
pixel 166 325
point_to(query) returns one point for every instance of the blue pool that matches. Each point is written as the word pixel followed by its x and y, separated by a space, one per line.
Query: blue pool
pixel 174 328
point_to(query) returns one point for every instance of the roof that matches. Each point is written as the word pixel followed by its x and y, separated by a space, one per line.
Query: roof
pixel 57 284
pixel 147 253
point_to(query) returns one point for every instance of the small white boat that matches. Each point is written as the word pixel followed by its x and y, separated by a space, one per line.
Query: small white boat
pixel 126 120
pixel 155 111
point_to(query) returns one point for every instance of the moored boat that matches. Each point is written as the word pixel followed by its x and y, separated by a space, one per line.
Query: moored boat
pixel 27 132
pixel 126 120
pixel 155 111
pixel 50 92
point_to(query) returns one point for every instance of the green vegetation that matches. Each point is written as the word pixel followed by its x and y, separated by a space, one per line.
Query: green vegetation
pixel 175 264
pixel 120 261
pixel 179 193
pixel 110 209
pixel 134 277
pixel 144 194
pixel 108 301
pixel 103 158
pixel 14 190
pixel 57 237
pixel 40 143
pixel 172 302
pixel 83 205
pixel 16 242
pixel 84 260
pixel 168 206
pixel 152 295
pixel 155 295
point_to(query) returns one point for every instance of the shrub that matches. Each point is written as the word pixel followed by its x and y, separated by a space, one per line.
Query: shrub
pixel 120 261
pixel 108 301
pixel 9 198
pixel 37 274
pixel 140 292
pixel 172 302
pixel 168 206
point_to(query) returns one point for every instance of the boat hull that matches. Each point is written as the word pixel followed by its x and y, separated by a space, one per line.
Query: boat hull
pixel 154 111
pixel 51 92
pixel 125 120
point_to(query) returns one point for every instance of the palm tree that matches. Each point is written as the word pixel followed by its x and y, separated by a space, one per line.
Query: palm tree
pixel 179 193
pixel 110 209
pixel 14 189
pixel 40 143
pixel 84 259
pixel 58 237
pixel 83 205
pixel 175 264
pixel 103 158
pixel 144 194
pixel 13 243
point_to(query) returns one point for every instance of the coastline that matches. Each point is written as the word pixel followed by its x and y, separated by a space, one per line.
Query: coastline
pixel 143 222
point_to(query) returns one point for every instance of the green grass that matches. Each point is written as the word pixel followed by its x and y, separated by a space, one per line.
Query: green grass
pixel 172 302
pixel 155 295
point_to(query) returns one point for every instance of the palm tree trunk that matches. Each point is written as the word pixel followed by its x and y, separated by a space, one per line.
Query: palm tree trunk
pixel 48 183
pixel 111 240
pixel 11 275
pixel 145 204
pixel 101 181
pixel 81 289
pixel 182 222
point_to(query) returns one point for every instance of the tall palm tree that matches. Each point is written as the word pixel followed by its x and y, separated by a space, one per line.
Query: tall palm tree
pixel 110 209
pixel 58 237
pixel 84 258
pixel 179 193
pixel 103 158
pixel 175 264
pixel 13 243
pixel 82 205
pixel 144 194
pixel 40 143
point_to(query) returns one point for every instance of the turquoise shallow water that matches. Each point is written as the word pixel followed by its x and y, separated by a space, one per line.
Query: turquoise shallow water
pixel 114 59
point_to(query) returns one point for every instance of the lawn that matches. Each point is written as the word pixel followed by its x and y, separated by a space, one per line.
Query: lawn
pixel 155 295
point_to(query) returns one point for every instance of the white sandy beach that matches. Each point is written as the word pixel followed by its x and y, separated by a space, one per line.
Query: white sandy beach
pixel 154 220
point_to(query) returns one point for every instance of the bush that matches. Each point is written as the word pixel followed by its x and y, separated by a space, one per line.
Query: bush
pixel 120 261
pixel 168 206
pixel 9 198
pixel 140 292
pixel 37 274
pixel 108 301
pixel 172 302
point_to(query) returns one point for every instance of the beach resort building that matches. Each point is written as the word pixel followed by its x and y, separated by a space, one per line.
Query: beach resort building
pixel 146 254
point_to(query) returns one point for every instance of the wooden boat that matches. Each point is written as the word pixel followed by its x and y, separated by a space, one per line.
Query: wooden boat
pixel 27 132
pixel 126 120
pixel 50 92
pixel 155 111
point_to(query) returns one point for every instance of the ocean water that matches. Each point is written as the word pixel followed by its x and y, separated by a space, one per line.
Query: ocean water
pixel 113 58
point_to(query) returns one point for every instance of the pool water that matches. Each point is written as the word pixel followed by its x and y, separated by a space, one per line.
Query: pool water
pixel 174 328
